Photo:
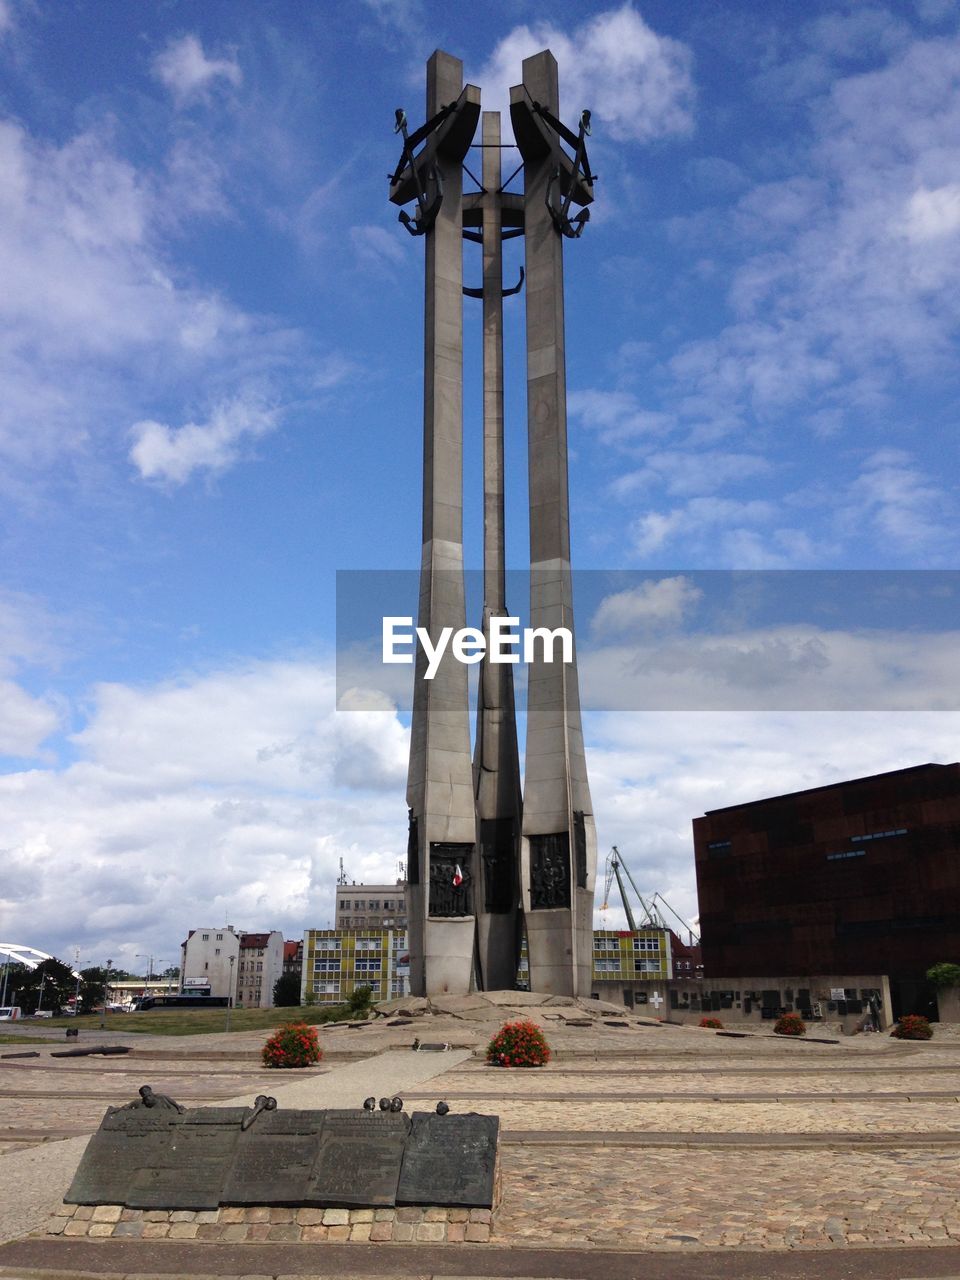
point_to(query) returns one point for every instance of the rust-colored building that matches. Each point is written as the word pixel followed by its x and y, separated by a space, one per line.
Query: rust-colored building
pixel 857 877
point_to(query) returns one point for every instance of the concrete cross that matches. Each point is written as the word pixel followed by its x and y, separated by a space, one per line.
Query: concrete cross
pixel 656 1000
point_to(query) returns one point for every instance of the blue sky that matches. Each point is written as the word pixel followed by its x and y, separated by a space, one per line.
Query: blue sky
pixel 210 328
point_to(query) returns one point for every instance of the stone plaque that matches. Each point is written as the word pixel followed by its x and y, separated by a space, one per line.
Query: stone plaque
pixel 193 1165
pixel 274 1159
pixel 359 1161
pixel 450 1160
pixel 126 1142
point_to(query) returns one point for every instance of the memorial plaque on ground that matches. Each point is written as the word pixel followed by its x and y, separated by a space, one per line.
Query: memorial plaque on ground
pixel 450 1160
pixel 274 1159
pixel 192 1167
pixel 128 1140
pixel 358 1165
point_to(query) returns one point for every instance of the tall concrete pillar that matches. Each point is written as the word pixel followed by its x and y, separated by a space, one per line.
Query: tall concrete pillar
pixel 440 792
pixel 496 758
pixel 558 846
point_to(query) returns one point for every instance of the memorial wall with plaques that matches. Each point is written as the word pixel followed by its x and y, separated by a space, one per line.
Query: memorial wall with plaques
pixel 155 1154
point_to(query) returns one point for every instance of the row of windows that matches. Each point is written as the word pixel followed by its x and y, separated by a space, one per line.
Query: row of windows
pixel 613 965
pixel 846 853
pixel 373 905
pixel 878 835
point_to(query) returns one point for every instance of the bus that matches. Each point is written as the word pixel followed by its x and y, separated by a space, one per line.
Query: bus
pixel 181 1002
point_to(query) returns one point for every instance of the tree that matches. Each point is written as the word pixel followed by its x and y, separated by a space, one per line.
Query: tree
pixel 92 985
pixel 944 975
pixel 170 974
pixel 51 977
pixel 286 991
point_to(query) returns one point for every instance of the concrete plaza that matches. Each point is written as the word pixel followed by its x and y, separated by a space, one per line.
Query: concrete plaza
pixel 643 1147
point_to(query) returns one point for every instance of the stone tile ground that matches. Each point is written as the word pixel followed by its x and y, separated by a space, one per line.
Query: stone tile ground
pixel 576 1194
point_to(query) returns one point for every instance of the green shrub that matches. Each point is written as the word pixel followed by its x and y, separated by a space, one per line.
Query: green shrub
pixel 714 1024
pixel 292 1045
pixel 944 974
pixel 358 1001
pixel 519 1044
pixel 912 1026
pixel 790 1024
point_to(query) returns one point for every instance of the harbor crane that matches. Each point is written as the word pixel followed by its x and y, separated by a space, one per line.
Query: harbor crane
pixel 652 913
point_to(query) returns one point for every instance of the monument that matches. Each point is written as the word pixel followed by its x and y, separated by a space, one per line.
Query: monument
pixel 482 860
pixel 153 1153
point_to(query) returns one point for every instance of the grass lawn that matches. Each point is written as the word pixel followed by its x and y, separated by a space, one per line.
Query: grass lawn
pixel 195 1022
pixel 8 1039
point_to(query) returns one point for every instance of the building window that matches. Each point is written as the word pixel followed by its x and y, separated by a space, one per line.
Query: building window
pixel 646 944
pixel 216 951
pixel 219 937
pixel 372 965
pixel 718 848
pixel 259 965
pixel 606 944
pixel 843 854
pixel 878 835
pixel 205 937
pixel 326 944
pixel 206 964
pixel 646 966
pixel 606 966
pixel 329 988
pixel 326 966
pixel 367 944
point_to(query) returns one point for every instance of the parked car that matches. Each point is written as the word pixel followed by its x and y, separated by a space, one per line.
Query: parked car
pixel 10 1013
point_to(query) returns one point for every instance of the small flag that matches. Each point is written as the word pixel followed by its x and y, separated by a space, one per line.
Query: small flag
pixel 457 877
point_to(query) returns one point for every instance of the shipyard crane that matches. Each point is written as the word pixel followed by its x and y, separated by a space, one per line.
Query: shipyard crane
pixel 652 914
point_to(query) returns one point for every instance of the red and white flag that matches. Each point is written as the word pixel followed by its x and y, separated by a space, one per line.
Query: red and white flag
pixel 457 877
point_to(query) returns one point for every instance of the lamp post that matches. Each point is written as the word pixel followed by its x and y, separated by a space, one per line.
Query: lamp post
pixel 76 996
pixel 43 978
pixel 106 987
pixel 230 994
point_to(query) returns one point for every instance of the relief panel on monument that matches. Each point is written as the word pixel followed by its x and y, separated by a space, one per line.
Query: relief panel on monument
pixel 450 861
pixel 550 871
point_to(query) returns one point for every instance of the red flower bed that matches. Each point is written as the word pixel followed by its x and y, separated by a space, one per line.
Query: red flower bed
pixel 790 1024
pixel 714 1024
pixel 519 1044
pixel 292 1045
pixel 912 1026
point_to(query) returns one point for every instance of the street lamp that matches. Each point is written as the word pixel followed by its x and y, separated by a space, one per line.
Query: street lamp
pixel 106 988
pixel 230 994
pixel 76 996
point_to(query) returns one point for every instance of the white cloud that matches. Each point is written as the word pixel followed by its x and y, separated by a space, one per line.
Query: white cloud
pixel 687 473
pixel 617 416
pixel 92 317
pixel 907 509
pixel 932 214
pixel 773 668
pixel 187 72
pixel 652 603
pixel 173 454
pixel 25 721
pixel 638 84
pixel 375 245
pixel 226 796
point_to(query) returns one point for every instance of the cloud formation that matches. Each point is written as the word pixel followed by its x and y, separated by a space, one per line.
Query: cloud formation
pixel 188 73
pixel 638 84
pixel 173 454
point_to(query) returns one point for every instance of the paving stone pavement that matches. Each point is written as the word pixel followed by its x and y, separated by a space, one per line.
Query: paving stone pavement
pixel 571 1193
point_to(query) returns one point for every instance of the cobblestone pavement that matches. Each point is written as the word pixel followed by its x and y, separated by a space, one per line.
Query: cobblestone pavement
pixel 580 1194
